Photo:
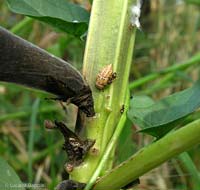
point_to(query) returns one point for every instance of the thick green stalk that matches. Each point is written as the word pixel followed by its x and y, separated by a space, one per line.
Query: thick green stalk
pixel 110 41
pixel 151 156
pixel 110 146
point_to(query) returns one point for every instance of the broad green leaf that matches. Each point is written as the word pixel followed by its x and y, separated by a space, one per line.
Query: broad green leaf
pixel 60 14
pixel 126 146
pixel 8 178
pixel 160 117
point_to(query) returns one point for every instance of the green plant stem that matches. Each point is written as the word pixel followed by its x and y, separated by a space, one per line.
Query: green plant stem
pixel 191 168
pixel 110 40
pixel 151 156
pixel 181 66
pixel 31 137
pixel 110 146
pixel 21 25
pixel 161 84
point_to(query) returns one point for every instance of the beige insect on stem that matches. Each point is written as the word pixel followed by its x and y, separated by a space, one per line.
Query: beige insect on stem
pixel 105 77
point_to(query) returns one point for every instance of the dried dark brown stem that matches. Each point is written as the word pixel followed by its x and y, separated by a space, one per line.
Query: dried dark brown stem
pixel 75 147
pixel 70 185
pixel 24 63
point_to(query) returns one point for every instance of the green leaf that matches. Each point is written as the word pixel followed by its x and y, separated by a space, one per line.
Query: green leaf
pixel 160 117
pixel 126 146
pixel 8 178
pixel 60 14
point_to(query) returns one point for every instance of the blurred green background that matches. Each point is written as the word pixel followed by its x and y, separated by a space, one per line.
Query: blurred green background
pixel 170 34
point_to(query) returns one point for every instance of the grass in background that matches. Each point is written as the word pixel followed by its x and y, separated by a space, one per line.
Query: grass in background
pixel 170 35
